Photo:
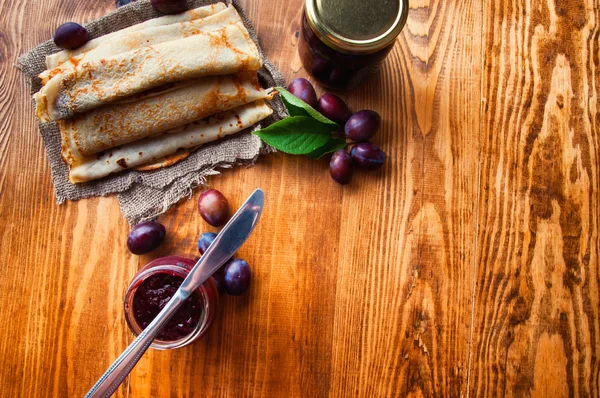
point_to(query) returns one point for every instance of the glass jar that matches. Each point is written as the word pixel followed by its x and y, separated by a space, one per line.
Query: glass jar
pixel 151 288
pixel 344 41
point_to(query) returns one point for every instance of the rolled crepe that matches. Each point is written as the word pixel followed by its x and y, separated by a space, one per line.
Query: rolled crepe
pixel 145 37
pixel 167 161
pixel 118 124
pixel 97 82
pixel 53 60
pixel 149 149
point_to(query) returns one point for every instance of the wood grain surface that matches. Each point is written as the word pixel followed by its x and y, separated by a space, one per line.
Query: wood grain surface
pixel 467 266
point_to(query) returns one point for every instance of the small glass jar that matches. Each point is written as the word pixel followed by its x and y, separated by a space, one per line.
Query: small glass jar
pixel 169 269
pixel 344 41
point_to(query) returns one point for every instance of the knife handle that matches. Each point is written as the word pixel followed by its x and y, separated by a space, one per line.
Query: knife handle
pixel 118 371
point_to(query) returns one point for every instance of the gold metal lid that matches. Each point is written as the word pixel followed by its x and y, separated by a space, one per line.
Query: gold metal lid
pixel 363 26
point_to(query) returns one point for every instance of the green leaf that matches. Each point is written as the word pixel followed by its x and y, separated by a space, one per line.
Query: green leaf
pixel 297 107
pixel 333 145
pixel 297 135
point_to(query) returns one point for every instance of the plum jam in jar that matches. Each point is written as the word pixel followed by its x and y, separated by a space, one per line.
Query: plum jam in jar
pixel 344 41
pixel 151 289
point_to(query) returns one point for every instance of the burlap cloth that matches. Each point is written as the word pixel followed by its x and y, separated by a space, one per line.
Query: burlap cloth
pixel 145 195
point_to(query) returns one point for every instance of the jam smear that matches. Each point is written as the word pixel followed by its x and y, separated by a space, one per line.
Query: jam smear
pixel 151 297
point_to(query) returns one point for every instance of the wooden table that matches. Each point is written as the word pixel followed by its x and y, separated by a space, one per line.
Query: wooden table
pixel 469 265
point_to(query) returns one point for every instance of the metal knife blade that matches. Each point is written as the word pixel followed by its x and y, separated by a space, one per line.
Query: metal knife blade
pixel 227 242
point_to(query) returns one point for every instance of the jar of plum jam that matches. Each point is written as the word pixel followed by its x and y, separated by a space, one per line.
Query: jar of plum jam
pixel 344 41
pixel 151 289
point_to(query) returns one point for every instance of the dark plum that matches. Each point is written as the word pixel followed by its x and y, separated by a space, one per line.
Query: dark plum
pixel 332 107
pixel 302 89
pixel 213 207
pixel 362 125
pixel 145 237
pixel 121 3
pixel 367 156
pixel 70 35
pixel 219 278
pixel 340 167
pixel 236 276
pixel 169 6
pixel 205 240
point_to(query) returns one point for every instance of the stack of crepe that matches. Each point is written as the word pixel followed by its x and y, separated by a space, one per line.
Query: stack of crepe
pixel 145 96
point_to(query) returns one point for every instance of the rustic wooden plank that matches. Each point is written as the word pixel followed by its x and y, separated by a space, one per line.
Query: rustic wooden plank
pixel 360 290
pixel 536 327
pixel 60 323
pixel 403 304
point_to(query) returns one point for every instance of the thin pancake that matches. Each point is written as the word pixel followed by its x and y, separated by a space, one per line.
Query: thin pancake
pixel 167 161
pixel 146 37
pixel 118 124
pixel 149 149
pixel 92 84
pixel 53 60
